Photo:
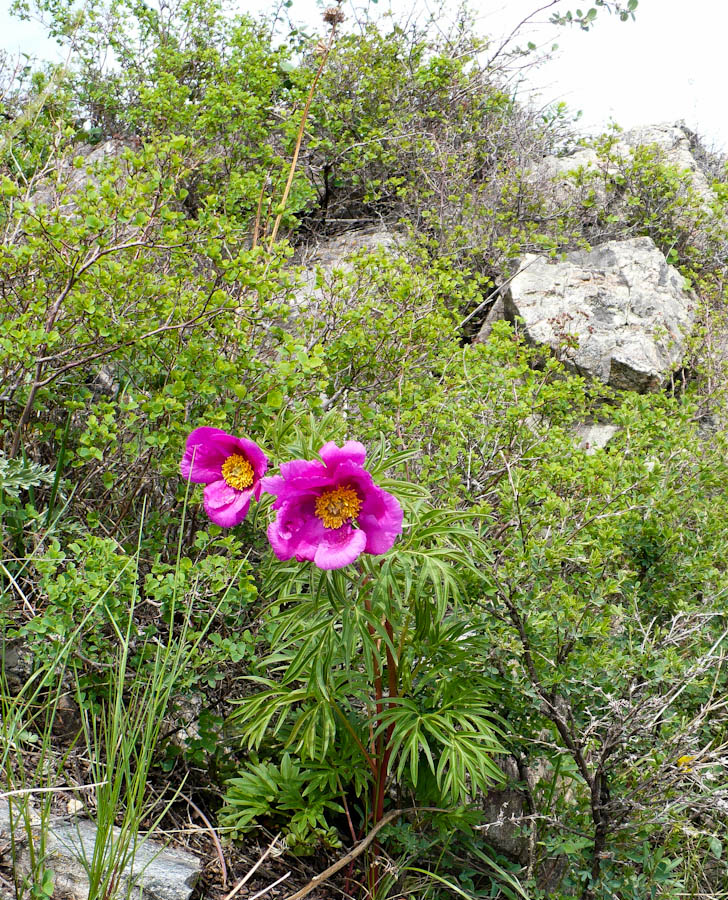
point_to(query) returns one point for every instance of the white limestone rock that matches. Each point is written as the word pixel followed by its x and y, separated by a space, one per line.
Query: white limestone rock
pixel 675 143
pixel 594 436
pixel 558 175
pixel 323 259
pixel 334 253
pixel 158 873
pixel 618 313
pixel 57 191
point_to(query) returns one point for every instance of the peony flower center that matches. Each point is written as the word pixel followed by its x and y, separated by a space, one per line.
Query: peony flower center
pixel 237 472
pixel 337 506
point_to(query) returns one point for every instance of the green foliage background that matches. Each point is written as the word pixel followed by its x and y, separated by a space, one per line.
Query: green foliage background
pixel 140 297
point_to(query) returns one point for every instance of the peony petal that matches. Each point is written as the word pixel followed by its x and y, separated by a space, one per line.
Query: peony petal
pixel 309 537
pixel 292 517
pixel 378 503
pixel 351 451
pixel 208 448
pixel 273 484
pixel 224 505
pixel 219 493
pixel 204 455
pixel 339 547
pixel 383 528
pixel 302 468
pixel 288 520
pixel 279 541
pixel 294 489
pixel 255 456
pixel 352 475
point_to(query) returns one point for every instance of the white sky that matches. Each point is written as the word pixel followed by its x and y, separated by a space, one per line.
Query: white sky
pixel 669 64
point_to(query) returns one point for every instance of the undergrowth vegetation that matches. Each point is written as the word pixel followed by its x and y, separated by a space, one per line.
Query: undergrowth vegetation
pixel 525 696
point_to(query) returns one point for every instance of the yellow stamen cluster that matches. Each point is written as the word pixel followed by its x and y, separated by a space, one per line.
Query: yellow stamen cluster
pixel 237 472
pixel 337 506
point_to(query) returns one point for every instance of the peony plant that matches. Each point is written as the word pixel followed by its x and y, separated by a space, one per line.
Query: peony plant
pixel 368 675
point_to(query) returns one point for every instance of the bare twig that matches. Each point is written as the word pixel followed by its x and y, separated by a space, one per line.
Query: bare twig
pixel 518 27
pixel 246 878
pixel 49 790
pixel 271 886
pixel 28 605
pixel 491 296
pixel 358 850
pixel 215 840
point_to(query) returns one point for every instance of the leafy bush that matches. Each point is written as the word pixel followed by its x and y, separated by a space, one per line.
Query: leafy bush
pixel 551 617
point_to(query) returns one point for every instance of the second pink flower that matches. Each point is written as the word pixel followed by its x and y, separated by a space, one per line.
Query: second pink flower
pixel 330 512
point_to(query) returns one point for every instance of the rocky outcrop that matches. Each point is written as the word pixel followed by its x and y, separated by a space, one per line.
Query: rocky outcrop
pixel 16 662
pixel 675 142
pixel 322 259
pixel 559 176
pixel 592 436
pixel 70 177
pixel 504 812
pixel 334 253
pixel 157 873
pixel 558 179
pixel 496 313
pixel 618 313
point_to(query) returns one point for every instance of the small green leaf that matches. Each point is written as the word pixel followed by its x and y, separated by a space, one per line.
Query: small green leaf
pixel 274 399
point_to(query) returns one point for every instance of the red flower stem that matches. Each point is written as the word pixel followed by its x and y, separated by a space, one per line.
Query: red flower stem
pixel 377 754
pixel 382 751
pixel 378 692
pixel 392 677
pixel 391 663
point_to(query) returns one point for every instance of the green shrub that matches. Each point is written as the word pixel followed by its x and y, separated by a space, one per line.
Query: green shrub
pixel 559 614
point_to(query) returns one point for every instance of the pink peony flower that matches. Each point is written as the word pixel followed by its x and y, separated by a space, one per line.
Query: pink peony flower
pixel 330 512
pixel 230 467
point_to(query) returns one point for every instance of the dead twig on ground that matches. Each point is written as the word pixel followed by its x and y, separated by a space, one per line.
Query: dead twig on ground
pixel 358 850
